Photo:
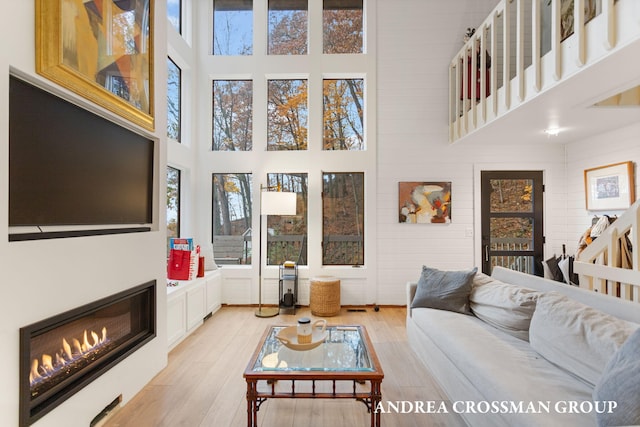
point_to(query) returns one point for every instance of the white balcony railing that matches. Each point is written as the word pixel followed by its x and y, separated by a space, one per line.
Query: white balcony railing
pixel 530 46
pixel 600 267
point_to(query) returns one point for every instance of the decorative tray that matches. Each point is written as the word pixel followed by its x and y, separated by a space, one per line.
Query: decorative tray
pixel 289 336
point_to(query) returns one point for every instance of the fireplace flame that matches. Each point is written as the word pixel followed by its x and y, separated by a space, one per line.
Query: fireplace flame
pixel 46 363
pixel 49 365
pixel 66 348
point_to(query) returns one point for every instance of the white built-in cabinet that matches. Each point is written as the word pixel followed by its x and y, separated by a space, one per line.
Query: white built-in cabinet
pixel 189 303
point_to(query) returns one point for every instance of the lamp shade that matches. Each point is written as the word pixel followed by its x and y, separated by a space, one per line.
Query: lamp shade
pixel 278 203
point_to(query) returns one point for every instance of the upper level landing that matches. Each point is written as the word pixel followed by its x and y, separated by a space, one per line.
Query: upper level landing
pixel 566 65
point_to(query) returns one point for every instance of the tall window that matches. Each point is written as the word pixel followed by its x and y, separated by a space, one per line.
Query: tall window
pixel 173 203
pixel 232 27
pixel 174 100
pixel 343 114
pixel 287 236
pixel 288 27
pixel 342 26
pixel 232 218
pixel 287 115
pixel 293 110
pixel 174 14
pixel 343 218
pixel 232 115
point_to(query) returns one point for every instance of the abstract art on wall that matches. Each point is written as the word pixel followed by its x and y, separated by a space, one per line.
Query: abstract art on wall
pixel 424 202
pixel 101 50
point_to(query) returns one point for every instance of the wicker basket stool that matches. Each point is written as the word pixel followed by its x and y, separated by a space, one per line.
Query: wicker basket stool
pixel 325 296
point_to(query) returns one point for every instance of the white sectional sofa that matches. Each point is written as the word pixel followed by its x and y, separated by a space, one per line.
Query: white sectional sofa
pixel 540 369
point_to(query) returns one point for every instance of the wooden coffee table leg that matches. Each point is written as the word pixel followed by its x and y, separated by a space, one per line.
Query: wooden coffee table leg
pixel 376 397
pixel 252 403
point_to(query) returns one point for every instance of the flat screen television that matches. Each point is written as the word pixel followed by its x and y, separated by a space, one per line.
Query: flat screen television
pixel 68 166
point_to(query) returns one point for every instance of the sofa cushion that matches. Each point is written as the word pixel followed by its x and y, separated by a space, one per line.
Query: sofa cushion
pixel 620 383
pixel 444 290
pixel 499 368
pixel 502 305
pixel 576 337
pixel 482 279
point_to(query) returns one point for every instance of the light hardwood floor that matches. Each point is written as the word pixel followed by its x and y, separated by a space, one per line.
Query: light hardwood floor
pixel 202 385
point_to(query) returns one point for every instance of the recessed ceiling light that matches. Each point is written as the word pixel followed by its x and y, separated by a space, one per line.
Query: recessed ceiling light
pixel 552 131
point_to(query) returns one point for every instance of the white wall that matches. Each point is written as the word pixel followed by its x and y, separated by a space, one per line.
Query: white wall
pixel 44 278
pixel 416 41
pixel 617 146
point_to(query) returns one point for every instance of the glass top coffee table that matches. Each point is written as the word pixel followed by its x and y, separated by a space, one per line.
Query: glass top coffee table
pixel 345 357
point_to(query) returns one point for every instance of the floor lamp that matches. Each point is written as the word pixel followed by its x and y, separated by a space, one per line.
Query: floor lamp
pixel 271 203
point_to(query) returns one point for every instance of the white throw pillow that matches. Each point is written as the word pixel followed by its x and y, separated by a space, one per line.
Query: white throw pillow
pixel 576 337
pixel 482 279
pixel 209 262
pixel 504 306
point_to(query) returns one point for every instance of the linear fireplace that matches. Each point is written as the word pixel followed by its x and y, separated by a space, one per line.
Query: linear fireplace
pixel 62 354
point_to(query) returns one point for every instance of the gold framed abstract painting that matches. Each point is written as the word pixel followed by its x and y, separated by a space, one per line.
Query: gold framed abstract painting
pixel 424 202
pixel 101 50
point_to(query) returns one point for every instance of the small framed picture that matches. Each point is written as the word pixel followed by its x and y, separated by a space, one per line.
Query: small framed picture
pixel 609 187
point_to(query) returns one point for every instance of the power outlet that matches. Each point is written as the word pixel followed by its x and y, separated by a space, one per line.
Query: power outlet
pixel 468 232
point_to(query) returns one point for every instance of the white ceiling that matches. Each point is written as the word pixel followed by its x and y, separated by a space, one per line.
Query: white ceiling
pixel 569 106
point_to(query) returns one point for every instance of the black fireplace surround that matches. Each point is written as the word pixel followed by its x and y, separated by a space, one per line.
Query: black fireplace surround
pixel 62 354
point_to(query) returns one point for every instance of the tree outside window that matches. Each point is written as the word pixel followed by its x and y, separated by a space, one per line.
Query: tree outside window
pixel 232 27
pixel 173 204
pixel 174 14
pixel 342 26
pixel 343 114
pixel 287 125
pixel 288 27
pixel 232 212
pixel 343 218
pixel 287 115
pixel 287 235
pixel 174 83
pixel 232 115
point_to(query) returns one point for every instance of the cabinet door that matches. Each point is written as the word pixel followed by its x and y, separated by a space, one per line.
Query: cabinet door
pixel 176 319
pixel 195 306
pixel 214 293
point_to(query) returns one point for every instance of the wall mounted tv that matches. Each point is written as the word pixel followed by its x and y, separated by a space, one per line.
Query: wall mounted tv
pixel 70 167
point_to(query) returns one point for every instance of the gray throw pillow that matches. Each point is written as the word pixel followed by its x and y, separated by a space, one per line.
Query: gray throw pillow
pixel 620 383
pixel 444 290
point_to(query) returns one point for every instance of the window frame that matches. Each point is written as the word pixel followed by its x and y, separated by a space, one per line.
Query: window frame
pixel 291 10
pixel 274 179
pixel 314 67
pixel 212 38
pixel 364 108
pixel 180 17
pixel 290 77
pixel 178 203
pixel 180 88
pixel 342 3
pixel 361 262
pixel 213 101
pixel 246 258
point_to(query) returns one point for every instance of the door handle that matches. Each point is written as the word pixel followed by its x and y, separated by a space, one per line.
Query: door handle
pixel 486 253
